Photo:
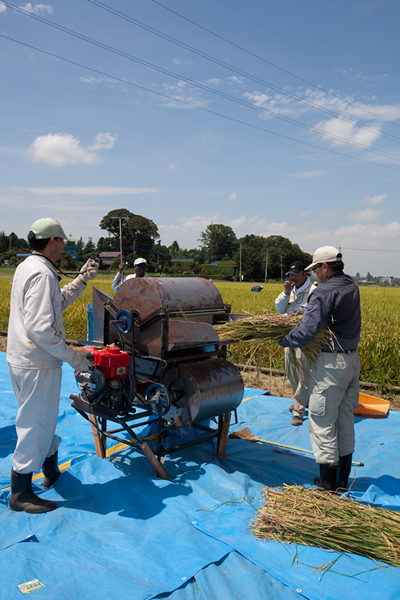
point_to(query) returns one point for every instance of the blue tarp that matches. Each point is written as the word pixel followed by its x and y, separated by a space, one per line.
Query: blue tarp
pixel 121 532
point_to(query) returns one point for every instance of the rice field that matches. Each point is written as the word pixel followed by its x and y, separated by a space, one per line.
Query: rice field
pixel 380 335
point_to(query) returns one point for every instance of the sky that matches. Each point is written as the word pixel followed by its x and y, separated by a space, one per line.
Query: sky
pixel 275 118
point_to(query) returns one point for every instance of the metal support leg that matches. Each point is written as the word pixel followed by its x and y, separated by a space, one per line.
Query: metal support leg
pixel 98 442
pixel 223 422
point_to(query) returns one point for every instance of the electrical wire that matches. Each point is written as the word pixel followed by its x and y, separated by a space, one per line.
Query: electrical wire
pixel 237 70
pixel 268 62
pixel 305 52
pixel 186 103
pixel 200 85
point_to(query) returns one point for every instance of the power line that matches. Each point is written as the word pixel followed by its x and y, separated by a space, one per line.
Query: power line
pixel 184 102
pixel 237 70
pixel 200 85
pixel 305 52
pixel 269 62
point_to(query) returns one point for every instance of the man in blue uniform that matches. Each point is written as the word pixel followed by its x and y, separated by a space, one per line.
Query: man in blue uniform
pixel 335 375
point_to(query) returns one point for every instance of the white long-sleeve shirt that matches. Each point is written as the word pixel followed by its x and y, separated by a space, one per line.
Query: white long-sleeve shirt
pixel 36 332
pixel 296 301
pixel 119 280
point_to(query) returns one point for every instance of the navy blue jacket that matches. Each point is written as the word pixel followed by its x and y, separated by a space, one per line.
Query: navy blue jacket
pixel 338 298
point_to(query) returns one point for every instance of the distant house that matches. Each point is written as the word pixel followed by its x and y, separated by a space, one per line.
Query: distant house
pixel 182 260
pixel 107 258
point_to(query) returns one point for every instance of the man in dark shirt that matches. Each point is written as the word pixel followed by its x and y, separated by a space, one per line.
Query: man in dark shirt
pixel 335 375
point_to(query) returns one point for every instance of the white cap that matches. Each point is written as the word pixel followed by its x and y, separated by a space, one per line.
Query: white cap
pixel 46 228
pixel 325 254
pixel 140 261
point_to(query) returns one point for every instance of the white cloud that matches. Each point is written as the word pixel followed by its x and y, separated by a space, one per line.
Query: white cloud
pixel 104 141
pixel 365 216
pixel 348 132
pixel 370 236
pixel 374 200
pixel 234 196
pixel 186 229
pixel 236 224
pixel 90 79
pixel 37 9
pixel 60 149
pixel 174 164
pixel 183 95
pixel 87 191
pixel 180 61
pixel 3 7
pixel 308 174
pixel 306 100
pixel 235 79
pixel 305 214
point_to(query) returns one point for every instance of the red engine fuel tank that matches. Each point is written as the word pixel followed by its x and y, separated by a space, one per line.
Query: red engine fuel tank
pixel 112 361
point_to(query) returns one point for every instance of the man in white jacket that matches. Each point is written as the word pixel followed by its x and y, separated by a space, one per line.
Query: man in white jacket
pixel 293 299
pixel 139 265
pixel 36 348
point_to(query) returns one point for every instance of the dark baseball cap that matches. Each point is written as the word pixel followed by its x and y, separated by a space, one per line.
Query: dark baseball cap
pixel 296 267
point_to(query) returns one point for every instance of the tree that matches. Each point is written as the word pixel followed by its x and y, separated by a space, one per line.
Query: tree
pixel 253 256
pixel 174 247
pixel 66 261
pixel 89 250
pixel 108 244
pixel 281 253
pixel 218 241
pixel 138 233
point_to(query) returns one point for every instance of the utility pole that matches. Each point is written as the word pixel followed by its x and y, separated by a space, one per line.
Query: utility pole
pixel 240 263
pixel 120 235
pixel 266 267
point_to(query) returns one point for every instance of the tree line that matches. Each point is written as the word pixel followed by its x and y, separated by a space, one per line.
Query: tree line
pixel 252 256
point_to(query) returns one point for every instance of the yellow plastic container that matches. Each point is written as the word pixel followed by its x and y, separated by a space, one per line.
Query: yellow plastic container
pixel 369 406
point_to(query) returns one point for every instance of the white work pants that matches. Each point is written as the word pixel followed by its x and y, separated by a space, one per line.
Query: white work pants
pixel 298 373
pixel 334 396
pixel 38 395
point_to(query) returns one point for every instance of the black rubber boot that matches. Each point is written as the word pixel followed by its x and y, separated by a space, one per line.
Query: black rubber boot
pixel 328 477
pixel 344 471
pixel 24 499
pixel 51 471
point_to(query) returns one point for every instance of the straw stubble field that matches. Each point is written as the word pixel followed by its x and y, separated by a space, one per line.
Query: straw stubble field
pixel 380 338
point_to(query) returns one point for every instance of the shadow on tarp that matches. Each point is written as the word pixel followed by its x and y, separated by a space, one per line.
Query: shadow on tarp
pixel 120 531
pixel 304 569
pixel 123 532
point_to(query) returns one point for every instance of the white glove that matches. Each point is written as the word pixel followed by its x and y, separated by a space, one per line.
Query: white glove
pixel 89 270
pixel 82 360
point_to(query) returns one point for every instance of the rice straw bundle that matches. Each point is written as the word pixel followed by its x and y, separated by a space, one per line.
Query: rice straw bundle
pixel 312 518
pixel 271 328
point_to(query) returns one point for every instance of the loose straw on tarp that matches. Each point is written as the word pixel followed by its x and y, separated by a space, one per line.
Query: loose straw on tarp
pixel 313 518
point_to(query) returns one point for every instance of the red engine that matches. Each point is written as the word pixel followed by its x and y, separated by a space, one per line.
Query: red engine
pixel 112 361
pixel 107 381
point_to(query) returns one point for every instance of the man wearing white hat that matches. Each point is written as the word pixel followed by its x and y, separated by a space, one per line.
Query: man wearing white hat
pixel 139 265
pixel 36 348
pixel 335 375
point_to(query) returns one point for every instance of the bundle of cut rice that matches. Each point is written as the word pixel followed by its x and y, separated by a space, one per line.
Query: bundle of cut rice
pixel 271 328
pixel 307 516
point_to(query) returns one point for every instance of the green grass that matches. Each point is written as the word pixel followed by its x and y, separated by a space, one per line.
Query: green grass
pixel 380 334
